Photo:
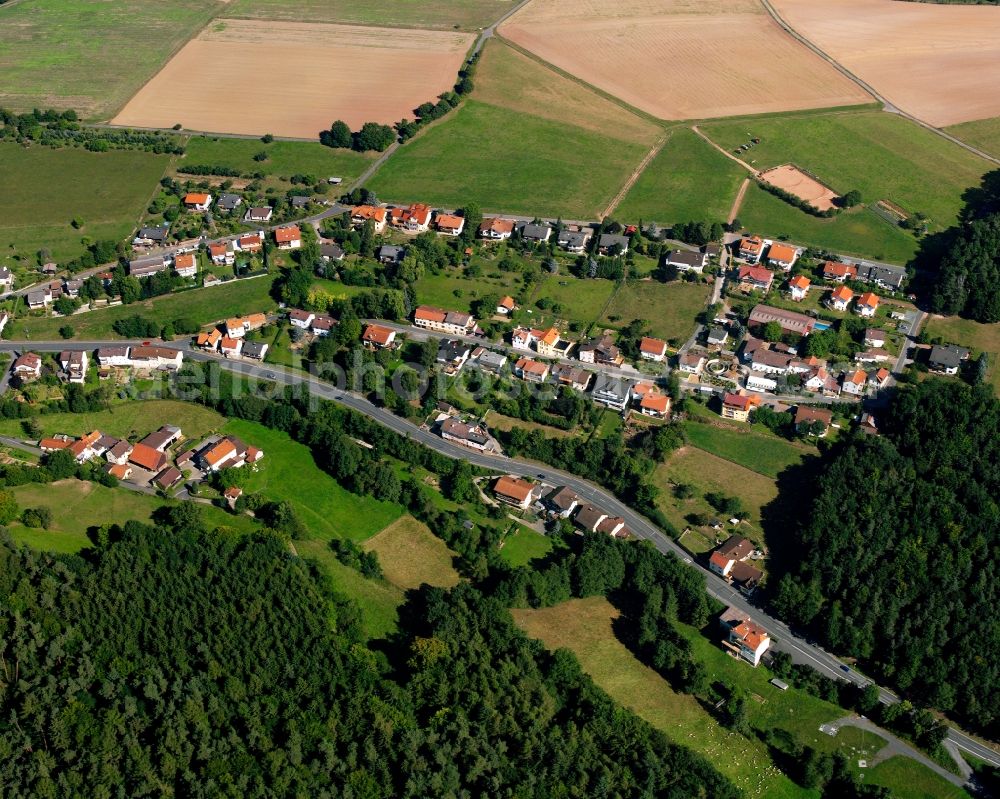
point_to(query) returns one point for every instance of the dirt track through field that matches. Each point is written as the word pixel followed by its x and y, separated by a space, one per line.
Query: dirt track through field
pixel 647 159
pixel 680 59
pixel 940 63
pixel 292 79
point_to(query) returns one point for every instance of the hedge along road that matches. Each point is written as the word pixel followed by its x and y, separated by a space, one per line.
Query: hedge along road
pixel 782 636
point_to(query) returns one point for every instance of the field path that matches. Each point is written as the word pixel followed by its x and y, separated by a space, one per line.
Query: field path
pixel 887 105
pixel 725 152
pixel 647 159
pixel 735 210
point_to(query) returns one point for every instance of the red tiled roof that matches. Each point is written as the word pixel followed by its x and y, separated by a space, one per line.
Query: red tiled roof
pixel 653 346
pixel 147 458
pixel 513 488
pixel 284 235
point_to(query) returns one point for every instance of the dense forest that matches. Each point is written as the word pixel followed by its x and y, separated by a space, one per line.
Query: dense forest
pixel 173 661
pixel 961 266
pixel 896 549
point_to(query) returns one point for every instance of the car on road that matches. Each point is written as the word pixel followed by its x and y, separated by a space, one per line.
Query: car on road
pixel 270 375
pixel 845 669
pixel 540 476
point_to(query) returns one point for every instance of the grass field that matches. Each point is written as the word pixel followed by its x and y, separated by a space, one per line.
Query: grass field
pixel 509 162
pixel 127 420
pixel 976 336
pixel 465 14
pixel 884 156
pixel 670 308
pixel 524 545
pixel 204 305
pixel 507 78
pixel 90 56
pixel 288 472
pixel 45 189
pixel 763 453
pixel 906 782
pixel 983 133
pixel 582 300
pixel 77 505
pixel 688 180
pixel 440 289
pixel 411 555
pixel 497 421
pixel 285 158
pixel 856 232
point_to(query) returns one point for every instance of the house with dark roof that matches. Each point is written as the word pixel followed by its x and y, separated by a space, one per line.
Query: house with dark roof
pixel 614 392
pixel 686 261
pixel 535 233
pixel 946 358
pixel 228 202
pixel 612 244
pixel 562 502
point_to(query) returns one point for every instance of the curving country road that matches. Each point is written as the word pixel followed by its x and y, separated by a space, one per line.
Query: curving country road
pixel 782 636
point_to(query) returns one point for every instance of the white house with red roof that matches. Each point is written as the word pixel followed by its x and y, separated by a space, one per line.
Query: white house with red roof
pixel 798 287
pixel 288 238
pixel 652 349
pixel 755 278
pixel 197 201
pixel 854 383
pixel 867 304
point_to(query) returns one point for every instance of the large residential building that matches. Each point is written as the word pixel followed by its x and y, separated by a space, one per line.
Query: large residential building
pixel 738 406
pixel 438 320
pixel 614 392
pixel 751 249
pixel 362 213
pixel 414 219
pixel 469 435
pixel 791 322
pixel 744 638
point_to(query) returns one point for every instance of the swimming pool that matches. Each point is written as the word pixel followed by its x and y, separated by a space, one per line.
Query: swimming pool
pixel 821 325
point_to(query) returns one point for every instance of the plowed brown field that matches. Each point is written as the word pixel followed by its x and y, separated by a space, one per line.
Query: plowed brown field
pixel 294 79
pixel 940 63
pixel 682 59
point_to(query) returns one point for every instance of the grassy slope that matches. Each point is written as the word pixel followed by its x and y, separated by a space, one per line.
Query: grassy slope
pixel 44 190
pixel 882 155
pixel 128 420
pixel 581 300
pixel 983 133
pixel 203 305
pixel 975 335
pixel 670 308
pixel 466 14
pixel 524 545
pixel 857 232
pixel 410 555
pixel 688 179
pixel 90 56
pixel 285 158
pixel 508 161
pixel 763 453
pixel 288 472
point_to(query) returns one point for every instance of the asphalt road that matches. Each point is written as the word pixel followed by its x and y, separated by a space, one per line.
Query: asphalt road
pixel 783 638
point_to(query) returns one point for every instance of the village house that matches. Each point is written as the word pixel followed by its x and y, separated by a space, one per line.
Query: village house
pixel 151 236
pixel 600 350
pixel 228 202
pixel 71 288
pixel 531 370
pixel 496 229
pixel 691 363
pixel 744 638
pixel 759 381
pixel 874 337
pixel 751 248
pixel 535 233
pixel 655 405
pixel 738 406
pixel 168 478
pixel 523 338
pixel 378 337
pixel 300 319
pixel 55 443
pixel 573 376
pixel 232 494
pixel 562 502
pixel 867 304
pixel 252 242
pixel 468 435
pixel 113 356
pixel 161 439
pixel 288 238
pixel 39 298
pixel 890 278
pixel 209 341
pixel 807 416
pixel 819 380
pixel 840 298
pixel 236 327
pixel 6 279
pixel 197 201
pixel 221 254
pixel 839 272
pixel 613 392
pixel 82 449
pixel 450 224
pixel 362 213
pixel 652 349
pixel 506 306
pixel 686 261
pixel 854 383
pixel 452 322
pixel 550 344
pixel 873 355
pixel 118 453
pixel 145 457
pixel 260 213
pixel 322 325
pixel 612 244
pixel 331 251
pixel 154 357
pixel 226 453
pixel 230 347
pixel 790 321
pixel 589 517
pixel 946 358
pixel 186 265
pixel 755 278
pixel 732 551
pixel 717 337
pixel 515 491
pixel 879 378
pixel 573 239
pixel 74 365
pixel 453 353
pixel 255 350
pixel 390 254
pixel 120 471
pixel 798 287
pixel 783 256
pixel 27 367
pixel 150 265
pixel 414 219
pixel 488 360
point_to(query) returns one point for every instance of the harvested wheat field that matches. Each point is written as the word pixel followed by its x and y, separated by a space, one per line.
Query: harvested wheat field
pixel 790 178
pixel 682 59
pixel 294 79
pixel 940 63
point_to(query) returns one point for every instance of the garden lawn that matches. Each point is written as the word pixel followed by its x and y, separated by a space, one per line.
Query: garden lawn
pixel 288 472
pixel 856 232
pixel 204 305
pixel 688 180
pixel 90 56
pixel 45 189
pixel 284 158
pixel 379 600
pixel 976 336
pixel 449 289
pixel 411 555
pixel 983 133
pixel 126 420
pixel 763 453
pixel 497 421
pixel 523 545
pixel 78 505
pixel 464 14
pixel 884 156
pixel 671 309
pixel 508 162
pixel 584 627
